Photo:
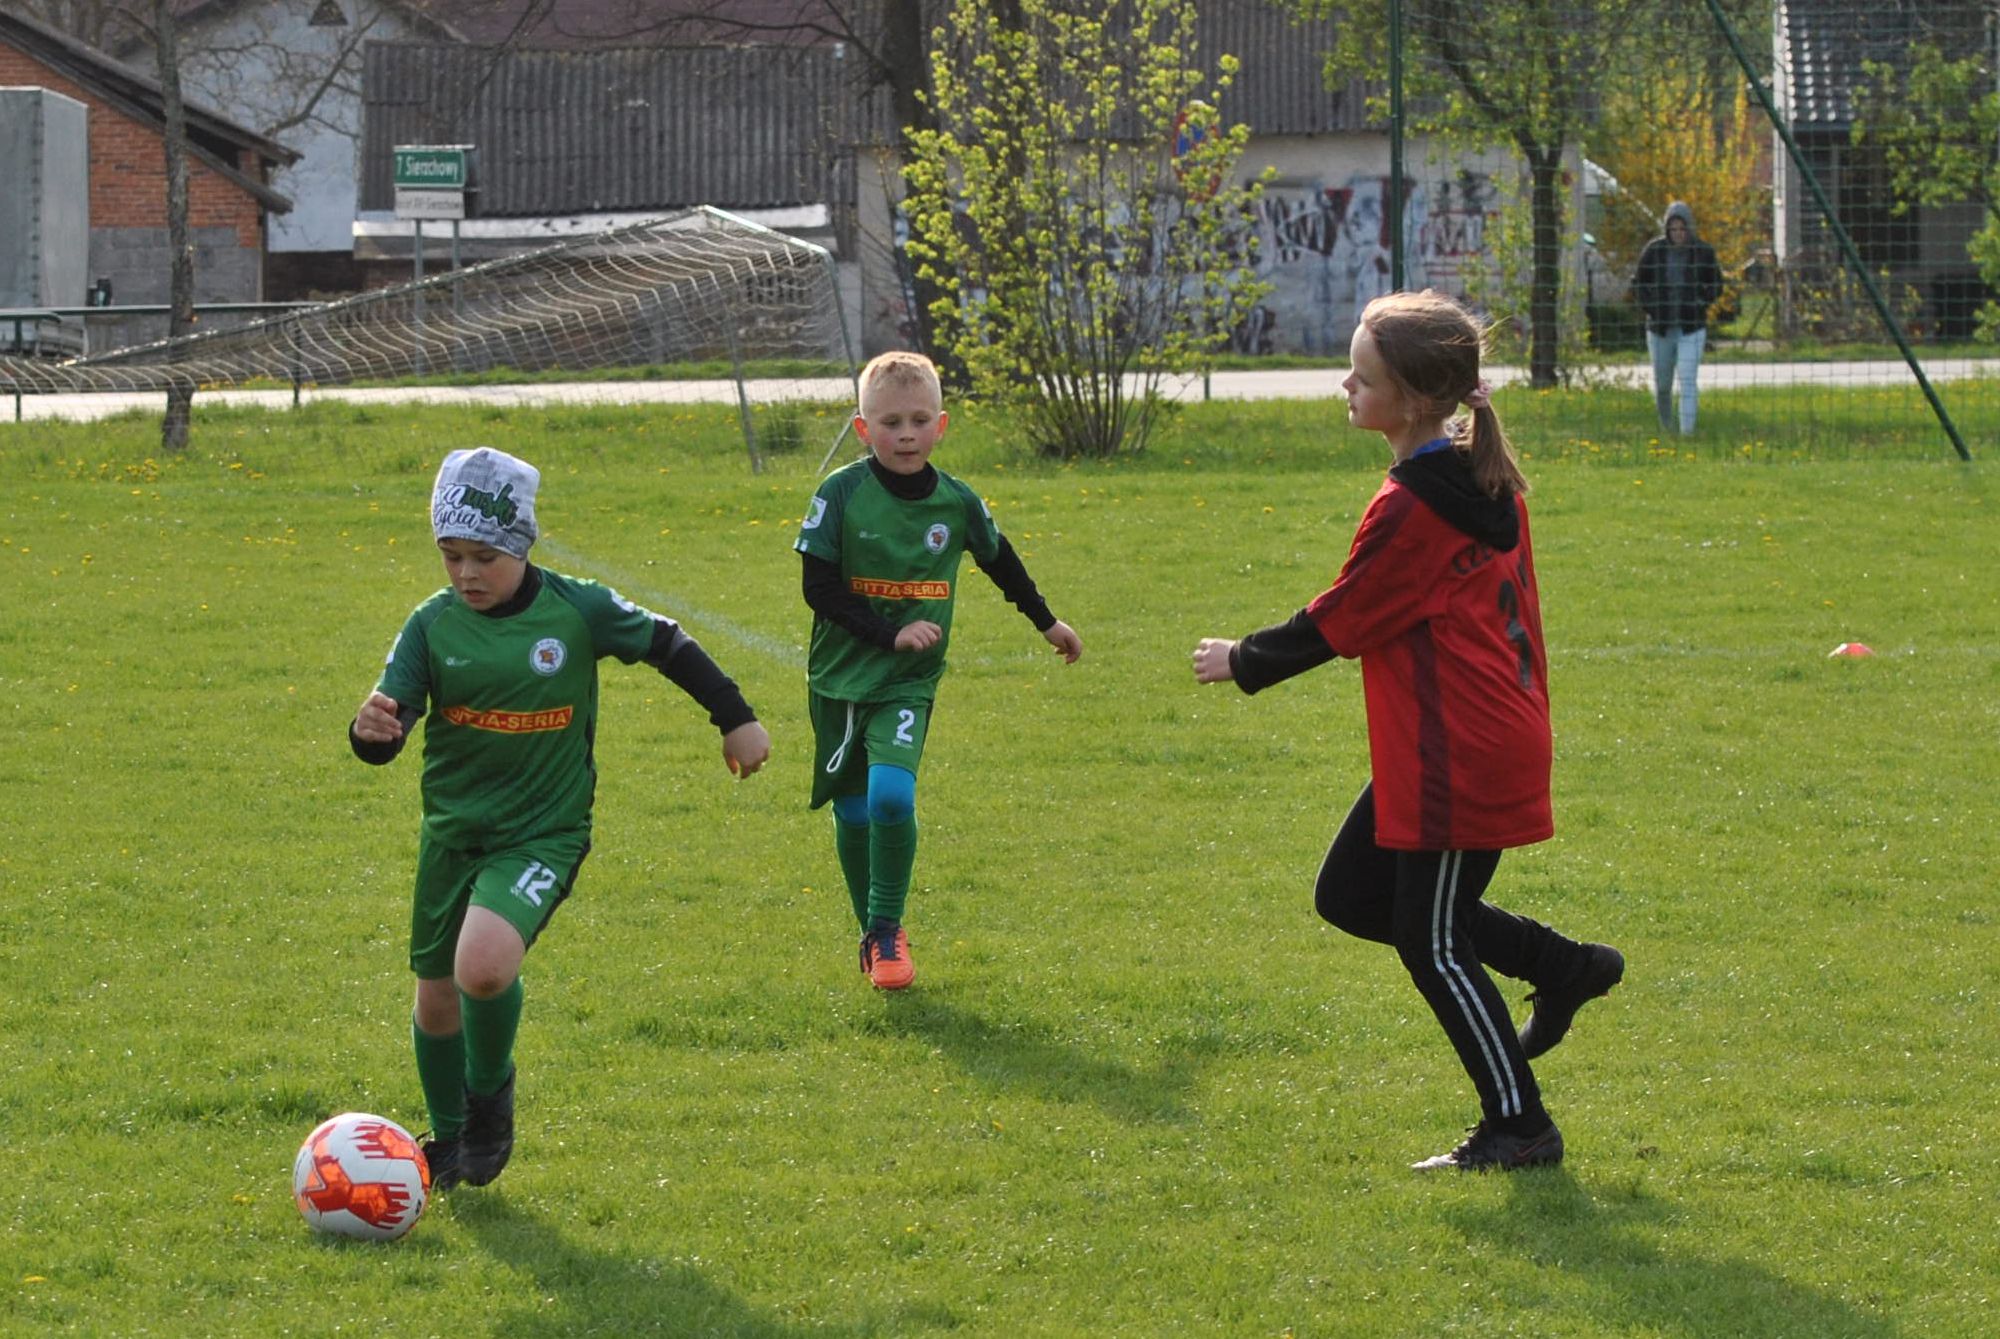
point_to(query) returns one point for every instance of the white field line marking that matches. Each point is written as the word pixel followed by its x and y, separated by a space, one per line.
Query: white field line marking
pixel 1687 651
pixel 684 612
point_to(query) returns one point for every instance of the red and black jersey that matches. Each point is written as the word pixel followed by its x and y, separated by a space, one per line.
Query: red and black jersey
pixel 1437 599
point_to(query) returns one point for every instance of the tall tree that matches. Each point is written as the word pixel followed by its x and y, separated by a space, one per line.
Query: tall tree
pixel 180 274
pixel 1527 75
pixel 1519 73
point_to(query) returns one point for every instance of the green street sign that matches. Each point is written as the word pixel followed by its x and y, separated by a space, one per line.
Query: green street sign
pixel 431 167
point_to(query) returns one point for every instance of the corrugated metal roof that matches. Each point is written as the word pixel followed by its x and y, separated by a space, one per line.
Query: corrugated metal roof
pixel 1280 89
pixel 750 126
pixel 1825 43
pixel 578 24
pixel 743 127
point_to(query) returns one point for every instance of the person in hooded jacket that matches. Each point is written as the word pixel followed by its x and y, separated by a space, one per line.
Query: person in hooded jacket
pixel 1439 602
pixel 1676 283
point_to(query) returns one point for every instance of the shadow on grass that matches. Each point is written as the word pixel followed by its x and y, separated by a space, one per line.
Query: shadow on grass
pixel 581 1290
pixel 1610 1241
pixel 1022 1057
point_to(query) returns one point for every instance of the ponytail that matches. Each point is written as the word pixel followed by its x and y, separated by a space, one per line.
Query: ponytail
pixel 1483 442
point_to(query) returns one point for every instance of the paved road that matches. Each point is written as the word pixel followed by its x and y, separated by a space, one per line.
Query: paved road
pixel 1292 384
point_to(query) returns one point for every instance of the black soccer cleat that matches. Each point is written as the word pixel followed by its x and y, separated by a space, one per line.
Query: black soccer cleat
pixel 488 1139
pixel 441 1156
pixel 1555 1010
pixel 1487 1149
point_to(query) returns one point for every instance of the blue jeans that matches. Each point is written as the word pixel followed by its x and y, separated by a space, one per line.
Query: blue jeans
pixel 1682 350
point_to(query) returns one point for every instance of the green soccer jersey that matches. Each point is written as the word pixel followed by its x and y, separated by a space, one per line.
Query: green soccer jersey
pixel 902 557
pixel 512 705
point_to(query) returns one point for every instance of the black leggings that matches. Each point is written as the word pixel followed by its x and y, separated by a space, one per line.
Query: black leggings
pixel 1428 904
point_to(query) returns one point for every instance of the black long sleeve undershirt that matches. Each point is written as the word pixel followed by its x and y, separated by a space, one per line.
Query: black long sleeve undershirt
pixel 1008 573
pixel 1272 655
pixel 691 669
pixel 376 754
pixel 831 598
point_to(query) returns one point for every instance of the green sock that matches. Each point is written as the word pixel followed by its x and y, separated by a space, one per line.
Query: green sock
pixel 892 851
pixel 490 1026
pixel 441 1071
pixel 850 842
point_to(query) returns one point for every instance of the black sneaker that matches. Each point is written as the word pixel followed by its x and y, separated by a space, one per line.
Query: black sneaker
pixel 488 1139
pixel 1486 1149
pixel 1555 1010
pixel 441 1155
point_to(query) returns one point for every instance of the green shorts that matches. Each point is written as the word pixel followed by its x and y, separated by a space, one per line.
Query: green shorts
pixel 523 884
pixel 850 736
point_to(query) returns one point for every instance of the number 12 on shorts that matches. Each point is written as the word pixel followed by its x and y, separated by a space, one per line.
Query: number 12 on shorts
pixel 535 880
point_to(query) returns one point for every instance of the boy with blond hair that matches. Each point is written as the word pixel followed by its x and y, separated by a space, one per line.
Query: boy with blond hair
pixel 880 547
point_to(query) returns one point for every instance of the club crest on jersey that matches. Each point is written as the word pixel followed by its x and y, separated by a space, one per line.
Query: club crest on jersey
pixel 937 537
pixel 548 656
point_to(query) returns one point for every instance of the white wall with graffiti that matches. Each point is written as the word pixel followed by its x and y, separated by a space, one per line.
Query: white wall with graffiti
pixel 1322 233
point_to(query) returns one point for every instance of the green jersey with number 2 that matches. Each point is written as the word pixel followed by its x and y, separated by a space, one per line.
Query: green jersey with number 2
pixel 900 556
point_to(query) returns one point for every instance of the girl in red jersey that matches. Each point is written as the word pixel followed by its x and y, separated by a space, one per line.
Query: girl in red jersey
pixel 1438 601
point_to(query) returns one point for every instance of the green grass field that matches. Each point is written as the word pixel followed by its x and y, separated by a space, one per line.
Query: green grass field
pixel 1139 1088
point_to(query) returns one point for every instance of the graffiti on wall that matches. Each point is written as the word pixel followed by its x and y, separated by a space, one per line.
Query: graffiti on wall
pixel 1325 251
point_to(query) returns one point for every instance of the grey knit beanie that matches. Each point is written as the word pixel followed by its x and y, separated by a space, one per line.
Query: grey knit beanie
pixel 488 497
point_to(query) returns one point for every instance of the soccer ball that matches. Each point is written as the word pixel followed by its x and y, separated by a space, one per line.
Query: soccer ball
pixel 363 1176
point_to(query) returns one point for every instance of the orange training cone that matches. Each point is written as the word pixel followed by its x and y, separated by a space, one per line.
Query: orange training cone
pixel 1855 649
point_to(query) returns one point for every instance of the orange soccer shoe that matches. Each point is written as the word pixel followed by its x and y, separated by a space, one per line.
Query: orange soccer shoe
pixel 885 956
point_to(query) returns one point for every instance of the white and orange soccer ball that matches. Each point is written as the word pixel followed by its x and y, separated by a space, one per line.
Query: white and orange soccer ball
pixel 363 1176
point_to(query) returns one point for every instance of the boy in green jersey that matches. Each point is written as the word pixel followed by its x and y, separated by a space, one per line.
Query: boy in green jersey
pixel 504 661
pixel 880 544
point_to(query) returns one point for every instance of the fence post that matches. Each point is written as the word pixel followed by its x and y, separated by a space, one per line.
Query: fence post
pixel 1398 263
pixel 743 401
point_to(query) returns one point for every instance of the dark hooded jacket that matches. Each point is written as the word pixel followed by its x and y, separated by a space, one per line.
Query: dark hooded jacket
pixel 1676 284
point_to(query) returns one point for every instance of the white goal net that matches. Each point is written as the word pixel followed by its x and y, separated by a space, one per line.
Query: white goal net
pixel 697 293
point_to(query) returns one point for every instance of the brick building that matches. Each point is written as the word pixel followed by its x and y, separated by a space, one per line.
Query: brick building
pixel 229 198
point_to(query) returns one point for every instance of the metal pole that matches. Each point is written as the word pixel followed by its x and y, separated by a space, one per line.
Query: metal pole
pixel 417 275
pixel 1396 259
pixel 743 402
pixel 1847 246
pixel 846 353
